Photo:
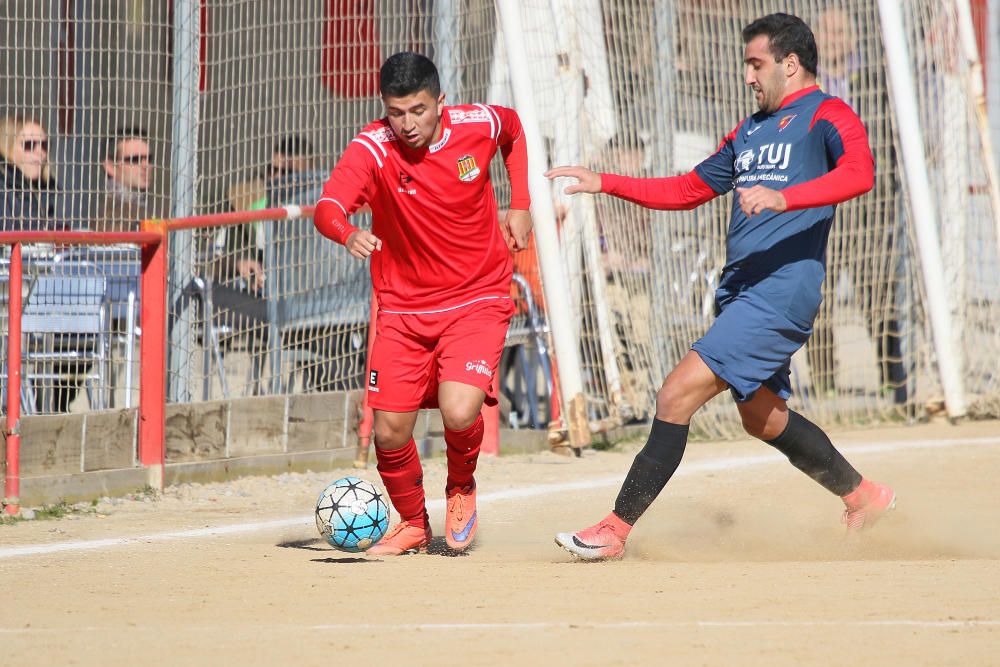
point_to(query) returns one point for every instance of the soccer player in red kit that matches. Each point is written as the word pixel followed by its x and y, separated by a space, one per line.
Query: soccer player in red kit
pixel 441 269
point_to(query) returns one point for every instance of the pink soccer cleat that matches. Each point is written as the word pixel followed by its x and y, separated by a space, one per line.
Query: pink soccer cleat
pixel 403 538
pixel 602 541
pixel 866 505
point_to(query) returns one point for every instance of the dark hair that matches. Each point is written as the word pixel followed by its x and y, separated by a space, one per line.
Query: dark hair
pixel 293 145
pixel 787 34
pixel 123 133
pixel 408 73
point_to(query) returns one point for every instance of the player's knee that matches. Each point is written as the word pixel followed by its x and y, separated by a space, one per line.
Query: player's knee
pixel 755 425
pixel 391 436
pixel 459 418
pixel 671 404
pixel 763 425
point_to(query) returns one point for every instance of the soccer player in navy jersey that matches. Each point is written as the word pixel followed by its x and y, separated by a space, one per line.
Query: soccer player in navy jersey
pixel 790 164
pixel 441 268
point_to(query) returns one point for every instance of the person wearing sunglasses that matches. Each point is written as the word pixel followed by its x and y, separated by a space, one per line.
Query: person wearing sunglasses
pixel 26 184
pixel 242 249
pixel 128 166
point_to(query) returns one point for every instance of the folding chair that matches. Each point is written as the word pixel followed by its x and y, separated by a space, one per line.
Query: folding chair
pixel 65 324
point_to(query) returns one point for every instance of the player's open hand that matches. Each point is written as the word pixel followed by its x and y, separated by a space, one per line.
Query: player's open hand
pixel 517 229
pixel 363 243
pixel 759 199
pixel 589 181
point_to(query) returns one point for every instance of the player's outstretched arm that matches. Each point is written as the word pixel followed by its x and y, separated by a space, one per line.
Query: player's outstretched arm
pixel 587 180
pixel 673 193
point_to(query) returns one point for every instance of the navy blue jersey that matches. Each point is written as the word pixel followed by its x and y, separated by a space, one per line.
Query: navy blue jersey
pixel 805 139
pixel 813 149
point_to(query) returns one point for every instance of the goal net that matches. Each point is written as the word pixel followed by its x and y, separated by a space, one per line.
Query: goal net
pixel 663 83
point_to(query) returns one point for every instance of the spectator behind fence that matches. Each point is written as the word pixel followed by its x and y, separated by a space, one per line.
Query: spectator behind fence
pixel 28 191
pixel 26 184
pixel 243 246
pixel 329 355
pixel 128 165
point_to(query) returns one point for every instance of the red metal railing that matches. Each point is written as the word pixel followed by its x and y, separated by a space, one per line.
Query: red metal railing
pixel 154 241
pixel 152 343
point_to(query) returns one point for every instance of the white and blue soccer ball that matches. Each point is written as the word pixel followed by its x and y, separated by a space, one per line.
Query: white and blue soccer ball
pixel 351 514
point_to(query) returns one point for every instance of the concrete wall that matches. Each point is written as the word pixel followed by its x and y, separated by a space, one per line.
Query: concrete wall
pixel 76 457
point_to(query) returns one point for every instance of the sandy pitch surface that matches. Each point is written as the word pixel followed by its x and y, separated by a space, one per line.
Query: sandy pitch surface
pixel 740 562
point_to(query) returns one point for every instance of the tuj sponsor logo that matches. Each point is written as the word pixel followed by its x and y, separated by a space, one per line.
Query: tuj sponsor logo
pixel 774 156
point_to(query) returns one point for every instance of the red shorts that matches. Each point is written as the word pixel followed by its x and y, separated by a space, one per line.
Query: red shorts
pixel 415 352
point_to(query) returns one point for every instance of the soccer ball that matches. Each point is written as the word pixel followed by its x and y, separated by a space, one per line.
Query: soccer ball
pixel 351 514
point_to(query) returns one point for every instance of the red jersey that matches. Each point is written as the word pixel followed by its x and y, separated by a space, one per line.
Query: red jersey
pixel 433 208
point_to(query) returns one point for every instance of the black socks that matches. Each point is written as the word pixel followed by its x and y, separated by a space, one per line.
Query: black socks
pixel 810 450
pixel 653 466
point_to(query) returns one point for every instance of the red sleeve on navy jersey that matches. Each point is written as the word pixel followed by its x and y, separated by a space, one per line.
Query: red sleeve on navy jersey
pixel 847 143
pixel 673 193
pixel 348 187
pixel 514 149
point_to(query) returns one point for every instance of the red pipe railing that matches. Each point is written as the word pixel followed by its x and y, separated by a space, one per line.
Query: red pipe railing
pixel 152 344
pixel 153 240
pixel 12 429
pixel 239 217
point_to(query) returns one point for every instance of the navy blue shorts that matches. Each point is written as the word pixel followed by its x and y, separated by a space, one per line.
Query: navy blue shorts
pixel 751 344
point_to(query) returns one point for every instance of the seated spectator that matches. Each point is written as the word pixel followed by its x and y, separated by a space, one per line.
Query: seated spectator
pixel 26 185
pixel 27 190
pixel 127 163
pixel 243 247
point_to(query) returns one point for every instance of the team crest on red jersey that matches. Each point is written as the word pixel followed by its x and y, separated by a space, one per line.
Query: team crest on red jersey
pixel 783 123
pixel 467 168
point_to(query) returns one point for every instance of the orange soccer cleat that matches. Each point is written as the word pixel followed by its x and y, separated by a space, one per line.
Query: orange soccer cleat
pixel 866 505
pixel 403 538
pixel 602 541
pixel 461 519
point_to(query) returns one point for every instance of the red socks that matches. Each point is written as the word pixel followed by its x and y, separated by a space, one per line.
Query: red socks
pixel 463 453
pixel 403 475
pixel 403 478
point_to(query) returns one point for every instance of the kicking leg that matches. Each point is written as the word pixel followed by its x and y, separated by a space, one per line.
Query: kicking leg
pixel 689 386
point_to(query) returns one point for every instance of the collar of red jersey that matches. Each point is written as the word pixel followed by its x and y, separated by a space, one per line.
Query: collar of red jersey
pixel 445 131
pixel 798 94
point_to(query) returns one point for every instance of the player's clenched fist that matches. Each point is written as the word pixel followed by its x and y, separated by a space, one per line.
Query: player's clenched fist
pixel 517 229
pixel 589 180
pixel 759 199
pixel 363 243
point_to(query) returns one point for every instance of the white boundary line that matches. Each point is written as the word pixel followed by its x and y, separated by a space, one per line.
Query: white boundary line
pixel 576 625
pixel 498 496
pixel 639 625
